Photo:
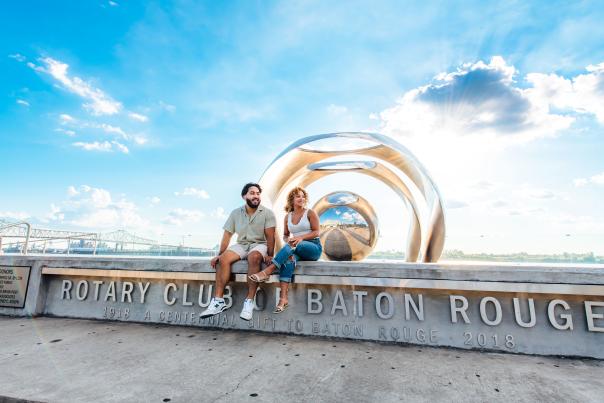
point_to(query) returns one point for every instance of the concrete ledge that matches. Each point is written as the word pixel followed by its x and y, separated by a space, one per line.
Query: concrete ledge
pixel 512 272
pixel 531 309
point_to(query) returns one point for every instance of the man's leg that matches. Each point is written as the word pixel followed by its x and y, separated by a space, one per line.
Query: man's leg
pixel 254 261
pixel 223 274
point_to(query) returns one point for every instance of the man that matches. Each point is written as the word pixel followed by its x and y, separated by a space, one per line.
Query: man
pixel 254 225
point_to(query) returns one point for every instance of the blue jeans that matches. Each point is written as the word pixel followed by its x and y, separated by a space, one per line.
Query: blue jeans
pixel 306 250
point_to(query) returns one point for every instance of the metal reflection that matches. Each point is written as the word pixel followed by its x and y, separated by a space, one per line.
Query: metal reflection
pixel 349 226
pixel 395 165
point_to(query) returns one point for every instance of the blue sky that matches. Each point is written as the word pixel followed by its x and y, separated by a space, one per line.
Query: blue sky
pixel 150 115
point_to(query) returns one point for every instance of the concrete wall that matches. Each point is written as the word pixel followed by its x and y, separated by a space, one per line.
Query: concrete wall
pixel 533 309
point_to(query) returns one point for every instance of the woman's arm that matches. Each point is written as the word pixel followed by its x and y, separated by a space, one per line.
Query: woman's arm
pixel 285 229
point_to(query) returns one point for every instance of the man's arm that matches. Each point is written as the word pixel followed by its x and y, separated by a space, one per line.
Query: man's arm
pixel 269 233
pixel 224 244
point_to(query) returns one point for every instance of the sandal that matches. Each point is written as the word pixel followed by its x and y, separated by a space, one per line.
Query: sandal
pixel 281 308
pixel 256 278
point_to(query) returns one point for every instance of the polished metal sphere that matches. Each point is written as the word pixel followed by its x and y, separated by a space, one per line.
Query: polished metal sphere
pixel 348 226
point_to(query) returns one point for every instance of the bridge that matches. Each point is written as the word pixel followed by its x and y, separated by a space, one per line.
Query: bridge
pixel 22 237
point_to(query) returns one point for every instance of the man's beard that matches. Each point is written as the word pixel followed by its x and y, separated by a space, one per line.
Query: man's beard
pixel 251 204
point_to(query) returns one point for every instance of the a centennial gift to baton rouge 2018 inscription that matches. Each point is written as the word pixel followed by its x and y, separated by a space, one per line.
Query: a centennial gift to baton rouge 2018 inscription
pixel 13 286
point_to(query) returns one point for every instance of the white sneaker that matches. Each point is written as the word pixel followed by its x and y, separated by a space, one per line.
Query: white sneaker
pixel 214 308
pixel 248 309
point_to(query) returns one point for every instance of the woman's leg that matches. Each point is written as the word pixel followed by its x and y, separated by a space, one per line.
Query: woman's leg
pixel 309 250
pixel 278 261
pixel 283 297
pixel 305 250
pixel 287 270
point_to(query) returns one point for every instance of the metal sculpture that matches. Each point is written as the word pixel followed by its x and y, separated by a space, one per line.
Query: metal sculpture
pixel 392 164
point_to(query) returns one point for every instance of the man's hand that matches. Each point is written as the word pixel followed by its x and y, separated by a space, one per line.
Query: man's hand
pixel 268 260
pixel 214 261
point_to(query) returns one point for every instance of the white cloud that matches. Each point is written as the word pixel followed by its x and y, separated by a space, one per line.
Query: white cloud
pixel 68 132
pixel 336 110
pixel 166 107
pixel 22 102
pixel 346 199
pixel 580 182
pixel 104 146
pixel 351 216
pixel 181 216
pixel 477 100
pixel 65 118
pixel 218 213
pixel 456 204
pixel 483 185
pixel 18 57
pixel 115 131
pixel 15 215
pixel 542 194
pixel 91 207
pixel 55 213
pixel 138 117
pixel 97 101
pixel 499 204
pixel 120 147
pixel 94 146
pixel 72 191
pixel 155 200
pixel 110 129
pixel 597 179
pixel 583 93
pixel 465 120
pixel 191 191
pixel 140 140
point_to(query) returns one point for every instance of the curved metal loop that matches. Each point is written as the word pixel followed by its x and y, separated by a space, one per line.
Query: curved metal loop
pixel 297 165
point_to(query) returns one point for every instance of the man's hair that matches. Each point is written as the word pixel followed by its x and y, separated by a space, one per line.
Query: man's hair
pixel 248 186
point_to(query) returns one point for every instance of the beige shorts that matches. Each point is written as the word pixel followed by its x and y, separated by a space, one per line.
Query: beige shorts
pixel 244 250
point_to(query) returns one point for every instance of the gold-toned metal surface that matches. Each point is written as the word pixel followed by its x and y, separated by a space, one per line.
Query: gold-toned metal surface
pixel 341 238
pixel 394 165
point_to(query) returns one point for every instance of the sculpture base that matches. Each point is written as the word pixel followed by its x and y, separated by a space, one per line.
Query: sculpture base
pixel 531 309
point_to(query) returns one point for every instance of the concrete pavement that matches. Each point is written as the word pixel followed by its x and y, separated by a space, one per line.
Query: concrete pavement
pixel 60 360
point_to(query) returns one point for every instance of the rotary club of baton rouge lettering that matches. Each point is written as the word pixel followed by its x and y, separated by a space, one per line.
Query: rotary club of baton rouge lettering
pixel 345 303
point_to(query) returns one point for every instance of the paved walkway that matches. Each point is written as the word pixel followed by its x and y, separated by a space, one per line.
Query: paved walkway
pixel 66 360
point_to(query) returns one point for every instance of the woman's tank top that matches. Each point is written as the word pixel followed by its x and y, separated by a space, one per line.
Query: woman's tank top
pixel 302 228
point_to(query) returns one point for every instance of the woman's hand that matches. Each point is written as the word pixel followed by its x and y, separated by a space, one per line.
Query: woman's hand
pixel 293 242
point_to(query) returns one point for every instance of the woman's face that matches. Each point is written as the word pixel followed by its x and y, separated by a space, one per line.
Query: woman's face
pixel 299 199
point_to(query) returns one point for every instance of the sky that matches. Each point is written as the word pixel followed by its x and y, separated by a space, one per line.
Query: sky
pixel 150 116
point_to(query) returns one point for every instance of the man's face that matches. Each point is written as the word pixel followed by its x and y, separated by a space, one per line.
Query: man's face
pixel 252 197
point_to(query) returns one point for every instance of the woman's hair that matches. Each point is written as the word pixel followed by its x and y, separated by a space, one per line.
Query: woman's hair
pixel 289 206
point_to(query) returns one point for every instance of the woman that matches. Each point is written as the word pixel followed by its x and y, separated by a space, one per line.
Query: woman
pixel 301 237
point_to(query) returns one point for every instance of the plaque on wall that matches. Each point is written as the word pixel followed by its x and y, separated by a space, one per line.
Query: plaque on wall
pixel 13 286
